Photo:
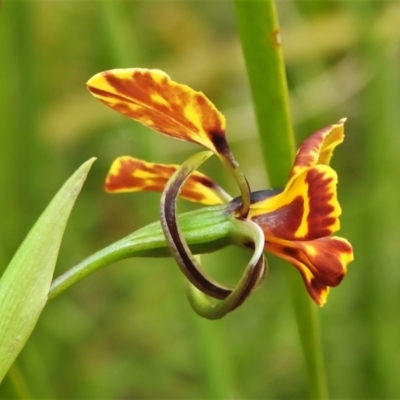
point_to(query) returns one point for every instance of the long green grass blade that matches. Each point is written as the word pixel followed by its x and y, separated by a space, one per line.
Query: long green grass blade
pixel 261 45
pixel 25 284
pixel 260 37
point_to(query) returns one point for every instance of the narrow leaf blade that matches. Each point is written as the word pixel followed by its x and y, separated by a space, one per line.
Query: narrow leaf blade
pixel 25 284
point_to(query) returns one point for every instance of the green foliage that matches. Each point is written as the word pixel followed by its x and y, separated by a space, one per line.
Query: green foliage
pixel 261 43
pixel 111 335
pixel 25 284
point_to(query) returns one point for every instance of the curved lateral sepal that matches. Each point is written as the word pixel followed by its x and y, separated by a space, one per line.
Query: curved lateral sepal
pixel 252 276
pixel 176 243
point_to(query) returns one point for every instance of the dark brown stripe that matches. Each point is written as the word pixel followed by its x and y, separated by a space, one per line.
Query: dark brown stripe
pixel 188 267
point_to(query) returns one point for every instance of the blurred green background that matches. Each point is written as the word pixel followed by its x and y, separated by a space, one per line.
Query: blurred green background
pixel 128 332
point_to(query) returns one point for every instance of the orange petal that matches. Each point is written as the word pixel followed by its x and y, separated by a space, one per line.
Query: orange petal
pixel 318 148
pixel 152 98
pixel 321 262
pixel 128 174
pixel 307 209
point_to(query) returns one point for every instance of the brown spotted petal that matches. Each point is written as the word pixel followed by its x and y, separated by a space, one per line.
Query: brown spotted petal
pixel 152 98
pixel 322 262
pixel 128 174
pixel 307 208
pixel 318 148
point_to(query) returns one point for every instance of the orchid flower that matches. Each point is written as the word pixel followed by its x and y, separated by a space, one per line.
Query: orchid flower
pixel 294 223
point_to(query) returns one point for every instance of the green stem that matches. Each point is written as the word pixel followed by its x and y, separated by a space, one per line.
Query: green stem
pixel 309 332
pixel 243 186
pixel 114 22
pixel 205 230
pixel 259 34
pixel 215 353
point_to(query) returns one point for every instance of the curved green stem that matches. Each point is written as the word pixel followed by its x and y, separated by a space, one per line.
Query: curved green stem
pixel 228 159
pixel 206 230
pixel 254 273
pixel 244 187
pixel 260 37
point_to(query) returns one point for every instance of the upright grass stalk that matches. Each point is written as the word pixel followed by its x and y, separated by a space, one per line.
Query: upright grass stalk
pixel 261 44
pixel 260 37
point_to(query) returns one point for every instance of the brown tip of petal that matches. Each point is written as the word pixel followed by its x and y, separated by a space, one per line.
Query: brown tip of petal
pixel 173 109
pixel 319 147
pixel 322 262
pixel 319 293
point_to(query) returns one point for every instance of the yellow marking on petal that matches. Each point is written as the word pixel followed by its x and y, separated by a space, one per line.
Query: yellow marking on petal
pixel 128 174
pixel 310 249
pixel 141 174
pixel 296 187
pixel 152 98
pixel 318 148
pixel 306 209
pixel 323 296
pixel 346 257
pixel 159 99
pixel 192 115
pixel 300 188
pixel 335 137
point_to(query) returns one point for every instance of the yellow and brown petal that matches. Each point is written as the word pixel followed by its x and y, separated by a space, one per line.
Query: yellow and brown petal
pixel 318 148
pixel 297 223
pixel 322 262
pixel 128 174
pixel 152 98
pixel 306 209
